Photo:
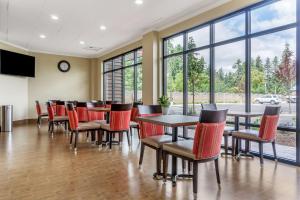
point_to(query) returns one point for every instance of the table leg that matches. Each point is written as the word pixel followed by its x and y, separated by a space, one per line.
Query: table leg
pixel 107 117
pixel 174 159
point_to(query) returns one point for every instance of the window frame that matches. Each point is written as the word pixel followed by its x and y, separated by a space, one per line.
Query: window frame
pixel 247 38
pixel 122 69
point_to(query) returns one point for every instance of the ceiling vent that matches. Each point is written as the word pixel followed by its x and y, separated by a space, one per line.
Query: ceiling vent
pixel 92 48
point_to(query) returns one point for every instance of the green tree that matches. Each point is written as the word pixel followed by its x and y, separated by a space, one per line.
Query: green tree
pixel 196 68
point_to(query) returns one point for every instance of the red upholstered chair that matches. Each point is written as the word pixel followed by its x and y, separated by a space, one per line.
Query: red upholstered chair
pixel 227 130
pixel 77 127
pixel 40 114
pixel 55 120
pixel 94 115
pixel 60 108
pixel 152 135
pixel 119 121
pixel 133 123
pixel 82 111
pixel 265 134
pixel 205 147
pixel 108 103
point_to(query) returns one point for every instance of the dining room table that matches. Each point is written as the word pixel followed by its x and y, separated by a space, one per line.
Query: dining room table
pixel 174 122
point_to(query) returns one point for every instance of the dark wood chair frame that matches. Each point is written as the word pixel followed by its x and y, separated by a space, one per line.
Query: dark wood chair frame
pixel 111 134
pixel 51 123
pixel 136 126
pixel 41 116
pixel 236 142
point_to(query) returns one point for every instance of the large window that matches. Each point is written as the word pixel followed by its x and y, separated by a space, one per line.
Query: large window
pixel 243 62
pixel 122 77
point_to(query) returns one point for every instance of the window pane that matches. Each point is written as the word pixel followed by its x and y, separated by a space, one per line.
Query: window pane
pixel 139 55
pixel 139 82
pixel 198 38
pixel 118 63
pixel 230 76
pixel 273 74
pixel 108 66
pixel 230 28
pixel 108 86
pixel 129 59
pixel 198 80
pixel 174 45
pixel 273 15
pixel 174 69
pixel 118 86
pixel 129 85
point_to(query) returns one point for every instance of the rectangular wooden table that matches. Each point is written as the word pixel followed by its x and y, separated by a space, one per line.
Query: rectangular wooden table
pixel 173 121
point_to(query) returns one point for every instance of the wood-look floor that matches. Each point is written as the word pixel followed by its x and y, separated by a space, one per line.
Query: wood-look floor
pixel 33 165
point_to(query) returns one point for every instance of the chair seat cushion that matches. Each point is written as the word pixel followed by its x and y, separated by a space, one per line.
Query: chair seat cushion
pixel 247 134
pixel 134 124
pixel 60 118
pixel 85 126
pixel 106 127
pixel 157 141
pixel 183 148
pixel 99 121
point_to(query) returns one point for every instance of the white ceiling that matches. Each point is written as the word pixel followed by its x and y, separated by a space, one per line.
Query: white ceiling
pixel 22 21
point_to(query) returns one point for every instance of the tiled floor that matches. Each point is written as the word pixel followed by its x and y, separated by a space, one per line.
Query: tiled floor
pixel 33 165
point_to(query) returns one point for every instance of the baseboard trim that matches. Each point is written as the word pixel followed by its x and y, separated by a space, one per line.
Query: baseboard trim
pixel 23 122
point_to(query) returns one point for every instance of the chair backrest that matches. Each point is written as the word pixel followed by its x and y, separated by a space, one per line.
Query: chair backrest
pixel 210 106
pixel 269 122
pixel 135 110
pixel 38 108
pixel 73 117
pixel 60 108
pixel 120 117
pixel 209 132
pixel 82 111
pixel 148 129
pixel 108 103
pixel 94 115
pixel 50 109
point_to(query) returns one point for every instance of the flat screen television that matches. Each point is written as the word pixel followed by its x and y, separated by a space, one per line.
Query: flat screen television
pixel 16 64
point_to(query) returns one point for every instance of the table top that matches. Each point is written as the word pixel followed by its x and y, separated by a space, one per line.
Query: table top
pixel 171 120
pixel 244 114
pixel 99 109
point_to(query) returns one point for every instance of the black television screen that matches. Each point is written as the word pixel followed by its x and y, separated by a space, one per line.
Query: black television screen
pixel 16 64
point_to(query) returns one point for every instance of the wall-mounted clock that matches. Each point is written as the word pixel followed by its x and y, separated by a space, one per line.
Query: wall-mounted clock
pixel 64 66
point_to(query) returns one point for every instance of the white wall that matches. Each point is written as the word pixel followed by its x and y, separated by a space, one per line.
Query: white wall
pixel 14 89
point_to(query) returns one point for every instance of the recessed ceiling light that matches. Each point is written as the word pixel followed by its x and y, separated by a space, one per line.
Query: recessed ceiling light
pixel 42 36
pixel 54 17
pixel 82 42
pixel 102 27
pixel 138 2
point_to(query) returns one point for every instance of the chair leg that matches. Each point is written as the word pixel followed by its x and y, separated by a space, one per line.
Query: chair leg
pixel 217 171
pixel 99 137
pixel 49 126
pixel 165 165
pixel 110 135
pixel 128 138
pixel 141 154
pixel 183 165
pixel 226 144
pixel 71 138
pixel 76 139
pixel 138 131
pixel 158 161
pixel 189 167
pixel 195 177
pixel 274 150
pixel 233 146
pixel 261 153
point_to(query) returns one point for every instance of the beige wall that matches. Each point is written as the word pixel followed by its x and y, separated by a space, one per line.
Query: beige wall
pixel 153 79
pixel 14 89
pixel 50 83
